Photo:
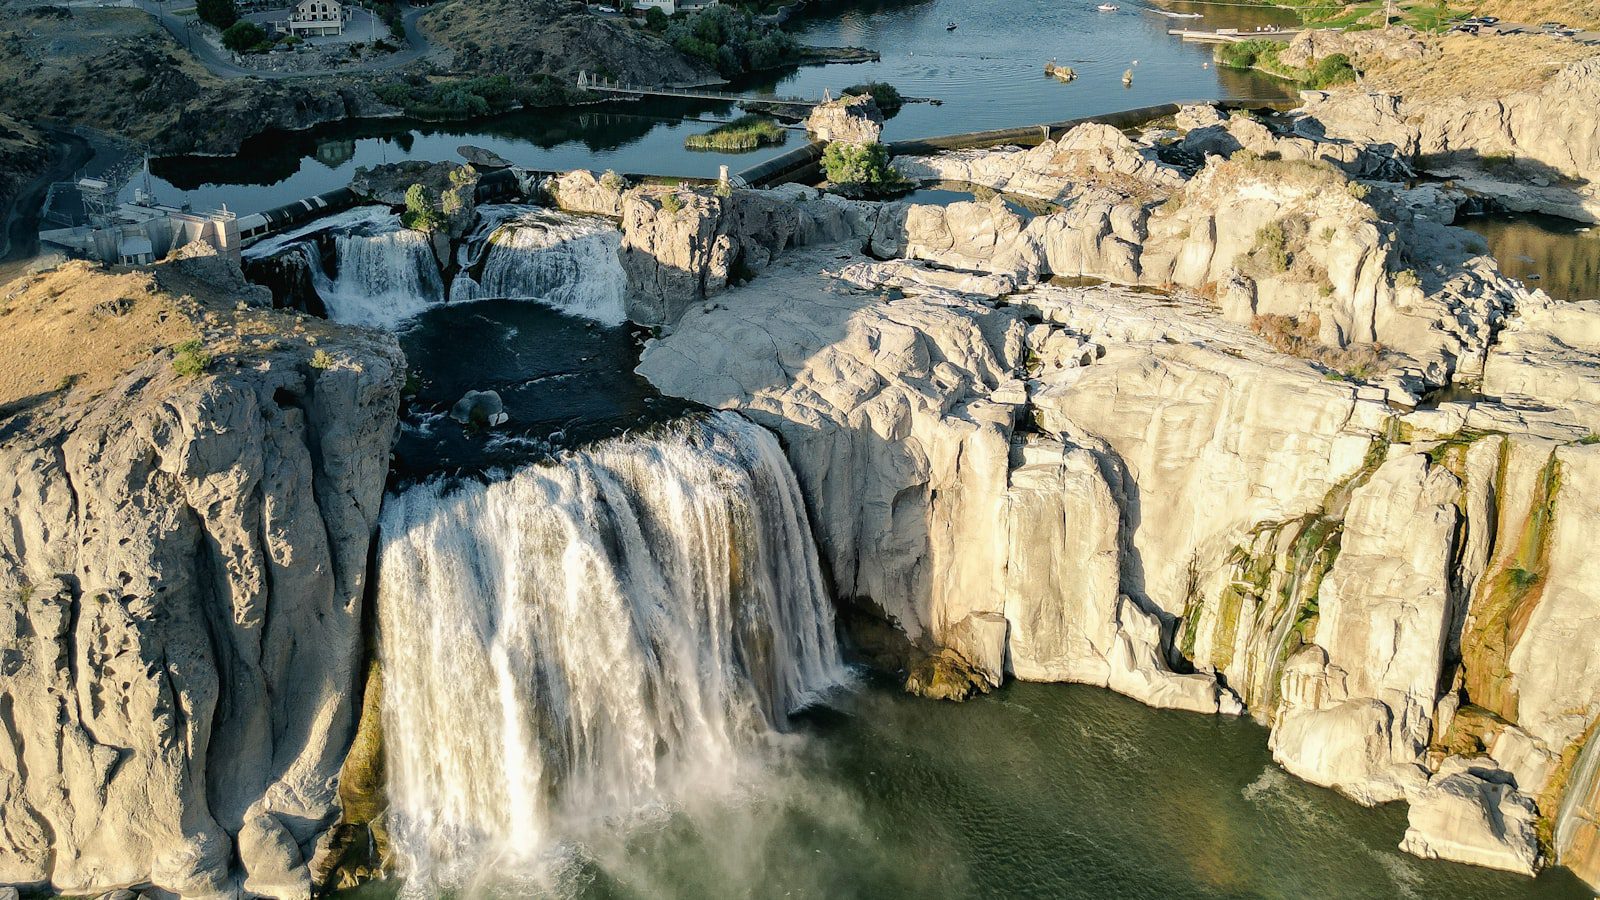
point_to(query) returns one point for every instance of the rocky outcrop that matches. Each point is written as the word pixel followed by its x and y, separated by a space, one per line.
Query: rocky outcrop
pixel 1470 814
pixel 1088 158
pixel 853 119
pixel 1211 131
pixel 181 582
pixel 582 191
pixel 556 38
pixel 680 247
pixel 1533 149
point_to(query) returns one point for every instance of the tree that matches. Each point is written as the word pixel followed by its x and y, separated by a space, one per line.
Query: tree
pixel 860 168
pixel 243 36
pixel 221 13
pixel 420 212
pixel 655 19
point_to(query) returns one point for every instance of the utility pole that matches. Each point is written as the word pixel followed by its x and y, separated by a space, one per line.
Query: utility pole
pixel 1388 14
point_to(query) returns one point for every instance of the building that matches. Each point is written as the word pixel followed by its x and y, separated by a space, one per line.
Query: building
pixel 673 7
pixel 141 232
pixel 318 18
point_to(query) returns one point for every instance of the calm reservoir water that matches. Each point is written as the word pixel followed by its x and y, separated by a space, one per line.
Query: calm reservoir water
pixel 988 73
pixel 1558 255
pixel 1045 791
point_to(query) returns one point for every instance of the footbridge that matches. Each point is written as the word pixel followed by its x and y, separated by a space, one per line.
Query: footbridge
pixel 599 85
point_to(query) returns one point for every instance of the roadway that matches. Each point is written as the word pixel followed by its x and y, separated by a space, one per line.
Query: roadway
pixel 220 62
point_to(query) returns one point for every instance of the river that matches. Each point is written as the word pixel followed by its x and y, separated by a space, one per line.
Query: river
pixel 979 72
pixel 1054 791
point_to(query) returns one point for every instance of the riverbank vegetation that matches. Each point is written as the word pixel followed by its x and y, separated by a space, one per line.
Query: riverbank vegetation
pixel 742 134
pixel 461 98
pixel 1329 71
pixel 887 96
pixel 729 39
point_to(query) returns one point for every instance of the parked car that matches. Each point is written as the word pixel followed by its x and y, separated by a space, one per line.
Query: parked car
pixel 1552 26
pixel 1466 28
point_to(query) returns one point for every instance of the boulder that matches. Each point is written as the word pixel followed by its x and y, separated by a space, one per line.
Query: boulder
pixel 482 159
pixel 1472 814
pixel 853 118
pixel 481 408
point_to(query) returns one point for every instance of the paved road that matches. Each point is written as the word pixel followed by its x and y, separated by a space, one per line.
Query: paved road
pixel 221 63
pixel 1500 28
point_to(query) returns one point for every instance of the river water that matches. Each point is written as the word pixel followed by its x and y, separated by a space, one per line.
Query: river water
pixel 1048 791
pixel 985 76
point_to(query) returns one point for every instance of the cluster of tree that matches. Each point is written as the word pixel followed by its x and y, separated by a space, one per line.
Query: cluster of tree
pixel 726 37
pixel 245 37
pixel 466 98
pixel 219 13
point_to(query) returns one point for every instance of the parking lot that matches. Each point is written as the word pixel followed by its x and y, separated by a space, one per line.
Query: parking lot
pixel 1491 27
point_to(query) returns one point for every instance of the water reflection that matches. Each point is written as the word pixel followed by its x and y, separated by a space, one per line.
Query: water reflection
pixel 987 73
pixel 1558 255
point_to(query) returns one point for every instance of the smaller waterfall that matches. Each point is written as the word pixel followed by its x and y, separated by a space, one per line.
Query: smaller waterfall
pixel 578 643
pixel 382 275
pixel 524 253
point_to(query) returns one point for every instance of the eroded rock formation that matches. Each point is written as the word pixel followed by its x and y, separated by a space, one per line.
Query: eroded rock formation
pixel 181 583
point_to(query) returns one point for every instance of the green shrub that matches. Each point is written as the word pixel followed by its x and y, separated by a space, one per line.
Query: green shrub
pixel 886 95
pixel 1589 439
pixel 655 19
pixel 420 212
pixel 1272 248
pixel 731 39
pixel 1358 190
pixel 862 168
pixel 671 204
pixel 243 36
pixel 322 359
pixel 190 358
pixel 1407 278
pixel 1331 70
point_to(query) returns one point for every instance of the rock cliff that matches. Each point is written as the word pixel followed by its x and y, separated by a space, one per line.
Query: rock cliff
pixel 181 578
pixel 1165 493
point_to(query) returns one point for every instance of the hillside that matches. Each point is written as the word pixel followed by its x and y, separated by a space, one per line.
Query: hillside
pixel 555 38
pixel 116 71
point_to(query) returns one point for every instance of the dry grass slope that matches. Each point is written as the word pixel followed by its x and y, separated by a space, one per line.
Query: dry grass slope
pixel 1462 65
pixel 1577 13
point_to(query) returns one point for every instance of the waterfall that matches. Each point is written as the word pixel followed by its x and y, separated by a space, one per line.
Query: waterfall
pixel 524 253
pixel 382 275
pixel 578 643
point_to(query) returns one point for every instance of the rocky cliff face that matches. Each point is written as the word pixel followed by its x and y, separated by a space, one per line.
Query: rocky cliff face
pixel 181 583
pixel 1159 493
pixel 1533 149
pixel 557 38
pixel 680 247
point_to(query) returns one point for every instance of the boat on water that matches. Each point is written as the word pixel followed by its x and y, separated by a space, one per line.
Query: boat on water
pixel 1108 7
pixel 950 27
pixel 1178 15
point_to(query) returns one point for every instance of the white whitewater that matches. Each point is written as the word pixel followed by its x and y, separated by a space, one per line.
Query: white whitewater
pixel 527 253
pixel 384 273
pixel 583 643
pixel 383 277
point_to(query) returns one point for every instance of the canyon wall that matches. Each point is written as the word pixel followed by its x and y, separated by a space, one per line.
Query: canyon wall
pixel 182 582
pixel 1164 492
